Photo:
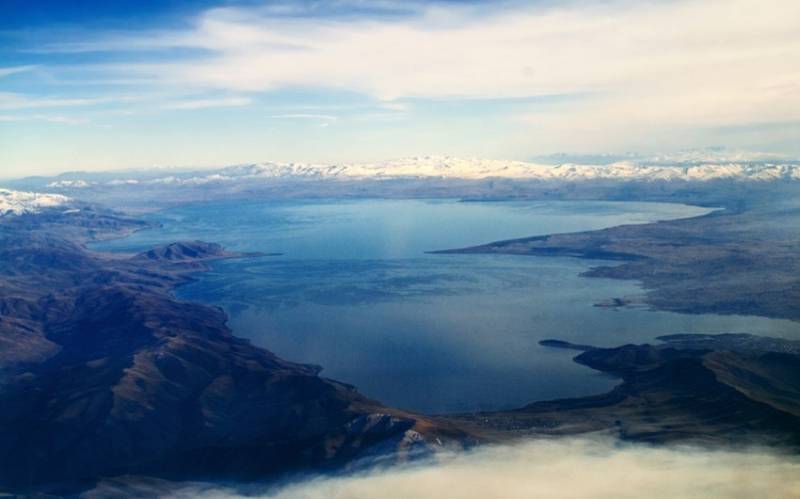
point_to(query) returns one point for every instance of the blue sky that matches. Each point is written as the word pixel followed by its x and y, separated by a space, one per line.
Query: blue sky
pixel 91 84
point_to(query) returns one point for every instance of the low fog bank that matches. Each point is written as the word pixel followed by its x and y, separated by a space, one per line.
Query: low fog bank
pixel 555 469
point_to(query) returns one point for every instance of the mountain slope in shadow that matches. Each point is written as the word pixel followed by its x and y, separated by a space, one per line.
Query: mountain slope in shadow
pixel 105 373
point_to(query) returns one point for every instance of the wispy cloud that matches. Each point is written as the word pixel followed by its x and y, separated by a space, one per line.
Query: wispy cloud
pixel 304 116
pixel 7 71
pixel 66 120
pixel 22 101
pixel 210 103
pixel 395 106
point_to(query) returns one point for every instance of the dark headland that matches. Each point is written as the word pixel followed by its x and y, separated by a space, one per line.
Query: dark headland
pixel 734 261
pixel 104 373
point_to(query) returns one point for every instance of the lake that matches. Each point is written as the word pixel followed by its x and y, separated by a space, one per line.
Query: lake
pixel 353 290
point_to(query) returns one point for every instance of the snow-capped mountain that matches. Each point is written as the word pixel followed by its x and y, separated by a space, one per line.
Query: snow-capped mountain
pixel 18 202
pixel 448 167
pixel 437 167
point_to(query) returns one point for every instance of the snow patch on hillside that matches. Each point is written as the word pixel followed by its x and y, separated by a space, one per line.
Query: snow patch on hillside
pixel 18 202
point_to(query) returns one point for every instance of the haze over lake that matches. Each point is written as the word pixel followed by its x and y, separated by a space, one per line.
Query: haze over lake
pixel 354 291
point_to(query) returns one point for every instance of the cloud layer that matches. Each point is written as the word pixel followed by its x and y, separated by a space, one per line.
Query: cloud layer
pixel 562 469
pixel 684 63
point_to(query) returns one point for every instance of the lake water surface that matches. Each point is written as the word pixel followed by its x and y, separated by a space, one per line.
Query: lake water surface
pixel 355 292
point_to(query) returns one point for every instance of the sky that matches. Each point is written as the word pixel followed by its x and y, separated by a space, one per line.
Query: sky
pixel 98 85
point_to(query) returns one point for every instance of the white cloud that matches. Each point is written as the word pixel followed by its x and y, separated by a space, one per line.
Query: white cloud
pixel 634 67
pixel 721 45
pixel 562 469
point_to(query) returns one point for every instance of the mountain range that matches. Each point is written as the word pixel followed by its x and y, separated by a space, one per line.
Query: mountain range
pixel 446 167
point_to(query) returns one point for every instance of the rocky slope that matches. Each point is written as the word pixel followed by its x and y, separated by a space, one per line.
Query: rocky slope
pixel 104 373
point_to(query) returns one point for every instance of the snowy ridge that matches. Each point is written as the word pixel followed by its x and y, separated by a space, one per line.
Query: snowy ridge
pixel 448 167
pixel 17 202
pixel 471 169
